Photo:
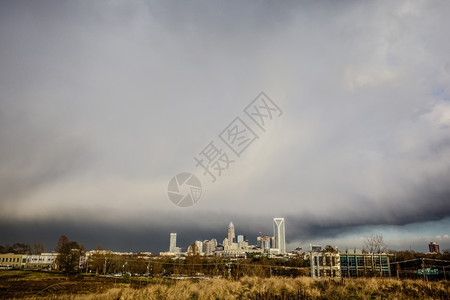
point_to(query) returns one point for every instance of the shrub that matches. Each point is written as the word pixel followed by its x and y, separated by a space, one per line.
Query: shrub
pixel 126 278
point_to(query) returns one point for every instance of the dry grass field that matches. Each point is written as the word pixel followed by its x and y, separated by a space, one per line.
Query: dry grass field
pixel 38 286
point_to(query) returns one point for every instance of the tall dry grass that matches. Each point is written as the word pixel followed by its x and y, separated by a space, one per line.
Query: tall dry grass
pixel 275 288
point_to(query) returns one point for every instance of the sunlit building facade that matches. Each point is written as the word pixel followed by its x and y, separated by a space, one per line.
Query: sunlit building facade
pixel 279 234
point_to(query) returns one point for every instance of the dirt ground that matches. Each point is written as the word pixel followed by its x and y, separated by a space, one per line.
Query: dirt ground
pixel 19 284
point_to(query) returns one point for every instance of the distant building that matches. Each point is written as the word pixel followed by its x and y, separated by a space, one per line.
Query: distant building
pixel 199 245
pixel 273 243
pixel 169 254
pixel 242 245
pixel 82 262
pixel 325 263
pixel 30 261
pixel 209 247
pixel 274 251
pixel 240 238
pixel 10 261
pixel 225 243
pixel 315 247
pixel 144 255
pixel 279 234
pixel 173 243
pixel 41 261
pixel 231 235
pixel 193 250
pixel 264 243
pixel 433 247
pixel 355 263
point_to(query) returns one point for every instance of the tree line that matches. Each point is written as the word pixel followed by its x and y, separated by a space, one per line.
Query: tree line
pixel 22 248
pixel 196 265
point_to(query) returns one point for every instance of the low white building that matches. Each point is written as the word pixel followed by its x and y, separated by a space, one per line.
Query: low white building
pixel 39 261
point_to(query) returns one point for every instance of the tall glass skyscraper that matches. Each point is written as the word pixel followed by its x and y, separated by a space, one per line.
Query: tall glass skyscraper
pixel 279 234
pixel 173 243
pixel 231 235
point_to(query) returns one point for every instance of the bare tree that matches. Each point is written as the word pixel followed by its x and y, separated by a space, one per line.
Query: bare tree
pixel 63 239
pixel 69 257
pixel 37 248
pixel 374 244
pixel 329 248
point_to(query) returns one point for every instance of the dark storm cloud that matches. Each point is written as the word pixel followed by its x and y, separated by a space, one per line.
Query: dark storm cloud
pixel 141 235
pixel 102 103
pixel 424 204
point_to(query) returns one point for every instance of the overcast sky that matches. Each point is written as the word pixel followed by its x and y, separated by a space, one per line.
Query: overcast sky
pixel 103 102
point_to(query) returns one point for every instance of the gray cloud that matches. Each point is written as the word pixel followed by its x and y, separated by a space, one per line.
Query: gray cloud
pixel 102 103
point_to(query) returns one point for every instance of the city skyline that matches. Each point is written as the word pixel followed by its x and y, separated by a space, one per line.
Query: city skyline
pixel 103 104
pixel 188 235
pixel 231 242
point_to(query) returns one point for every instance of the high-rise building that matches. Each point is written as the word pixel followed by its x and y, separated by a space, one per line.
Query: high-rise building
pixel 199 245
pixel 265 243
pixel 225 243
pixel 193 249
pixel 272 243
pixel 240 238
pixel 231 236
pixel 209 246
pixel 279 233
pixel 173 243
pixel 433 247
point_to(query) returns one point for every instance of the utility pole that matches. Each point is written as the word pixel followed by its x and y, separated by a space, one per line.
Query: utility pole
pixel 104 268
pixel 229 270
pixel 398 271
pixel 424 271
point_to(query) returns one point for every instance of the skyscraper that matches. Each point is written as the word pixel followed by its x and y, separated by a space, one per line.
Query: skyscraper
pixel 279 233
pixel 265 243
pixel 209 246
pixel 231 236
pixel 173 243
pixel 199 245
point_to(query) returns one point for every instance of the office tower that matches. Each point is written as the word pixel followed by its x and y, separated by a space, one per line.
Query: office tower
pixel 199 245
pixel 433 247
pixel 265 243
pixel 231 236
pixel 226 244
pixel 205 245
pixel 173 243
pixel 209 246
pixel 272 243
pixel 240 238
pixel 279 233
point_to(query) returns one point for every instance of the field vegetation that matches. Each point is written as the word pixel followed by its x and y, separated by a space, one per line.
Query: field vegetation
pixel 35 285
